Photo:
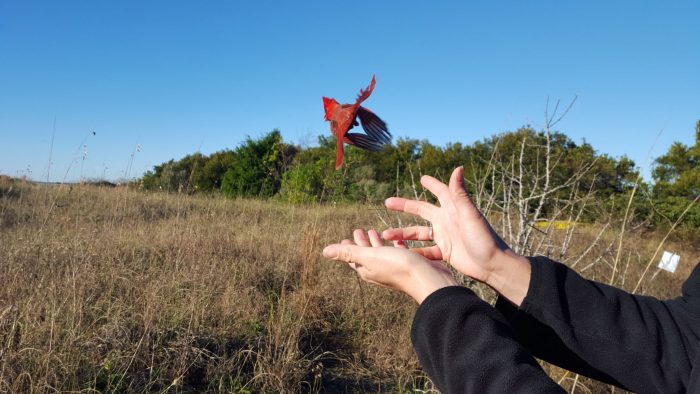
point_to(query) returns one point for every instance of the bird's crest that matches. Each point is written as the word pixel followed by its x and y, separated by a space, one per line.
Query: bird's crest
pixel 328 105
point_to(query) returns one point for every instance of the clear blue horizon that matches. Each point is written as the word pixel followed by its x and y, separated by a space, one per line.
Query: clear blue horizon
pixel 175 78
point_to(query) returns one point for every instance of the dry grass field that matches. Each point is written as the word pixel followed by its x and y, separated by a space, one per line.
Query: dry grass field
pixel 116 290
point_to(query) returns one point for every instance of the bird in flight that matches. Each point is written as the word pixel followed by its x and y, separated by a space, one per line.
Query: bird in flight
pixel 343 117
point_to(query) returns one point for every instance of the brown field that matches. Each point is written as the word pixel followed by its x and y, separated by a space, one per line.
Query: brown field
pixel 116 290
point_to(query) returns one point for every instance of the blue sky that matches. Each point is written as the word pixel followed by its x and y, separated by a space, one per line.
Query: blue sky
pixel 176 77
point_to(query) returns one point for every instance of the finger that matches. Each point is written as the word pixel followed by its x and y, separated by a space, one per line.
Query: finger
pixel 439 189
pixel 374 238
pixel 355 255
pixel 413 233
pixel 430 252
pixel 348 242
pixel 418 208
pixel 360 240
pixel 360 237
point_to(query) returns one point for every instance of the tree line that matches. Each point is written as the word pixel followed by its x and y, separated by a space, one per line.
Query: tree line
pixel 498 171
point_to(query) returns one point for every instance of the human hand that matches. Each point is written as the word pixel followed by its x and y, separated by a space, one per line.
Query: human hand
pixel 394 267
pixel 462 237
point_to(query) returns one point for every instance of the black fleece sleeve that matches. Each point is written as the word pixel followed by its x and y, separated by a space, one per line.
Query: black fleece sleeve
pixel 636 342
pixel 466 346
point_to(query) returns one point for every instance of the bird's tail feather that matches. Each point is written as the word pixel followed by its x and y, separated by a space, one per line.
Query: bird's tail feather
pixel 339 154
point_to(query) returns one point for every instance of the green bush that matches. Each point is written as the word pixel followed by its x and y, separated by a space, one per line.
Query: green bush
pixel 671 208
pixel 303 183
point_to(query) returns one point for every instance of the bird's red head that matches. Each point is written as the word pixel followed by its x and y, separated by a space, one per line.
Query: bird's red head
pixel 329 105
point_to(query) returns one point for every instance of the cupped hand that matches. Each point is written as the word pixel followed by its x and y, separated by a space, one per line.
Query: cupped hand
pixel 461 234
pixel 394 267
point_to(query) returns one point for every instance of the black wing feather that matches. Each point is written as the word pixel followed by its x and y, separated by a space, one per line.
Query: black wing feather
pixel 363 141
pixel 375 128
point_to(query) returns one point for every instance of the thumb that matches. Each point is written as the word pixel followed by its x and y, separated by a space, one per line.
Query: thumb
pixel 457 183
pixel 459 193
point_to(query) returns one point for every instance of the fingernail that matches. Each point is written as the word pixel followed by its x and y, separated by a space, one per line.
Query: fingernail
pixel 330 252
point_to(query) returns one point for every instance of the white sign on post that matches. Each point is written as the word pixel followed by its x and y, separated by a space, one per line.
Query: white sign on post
pixel 669 261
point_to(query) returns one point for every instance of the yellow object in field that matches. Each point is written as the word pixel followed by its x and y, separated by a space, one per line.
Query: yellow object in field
pixel 544 224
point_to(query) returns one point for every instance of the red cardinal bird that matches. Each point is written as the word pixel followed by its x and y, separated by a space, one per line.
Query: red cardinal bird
pixel 343 118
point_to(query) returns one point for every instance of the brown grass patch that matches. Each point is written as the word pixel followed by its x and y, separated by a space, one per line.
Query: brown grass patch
pixel 110 289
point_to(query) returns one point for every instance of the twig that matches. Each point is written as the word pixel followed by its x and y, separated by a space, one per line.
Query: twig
pixel 624 224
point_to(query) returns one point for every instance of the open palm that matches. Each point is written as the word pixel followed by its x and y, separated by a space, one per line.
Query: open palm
pixel 394 267
pixel 462 235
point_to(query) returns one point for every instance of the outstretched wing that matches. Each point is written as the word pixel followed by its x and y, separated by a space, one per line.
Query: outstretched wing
pixel 364 93
pixel 375 128
pixel 363 141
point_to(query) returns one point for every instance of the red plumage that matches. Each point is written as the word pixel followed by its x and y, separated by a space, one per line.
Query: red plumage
pixel 343 117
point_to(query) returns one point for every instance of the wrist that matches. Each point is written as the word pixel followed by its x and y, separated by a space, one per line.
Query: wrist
pixel 427 281
pixel 510 276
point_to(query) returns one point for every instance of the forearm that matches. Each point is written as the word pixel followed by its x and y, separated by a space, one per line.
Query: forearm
pixel 600 331
pixel 466 346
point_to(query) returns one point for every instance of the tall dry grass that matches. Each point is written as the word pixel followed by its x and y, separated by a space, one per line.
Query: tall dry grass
pixel 114 290
pixel 109 289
